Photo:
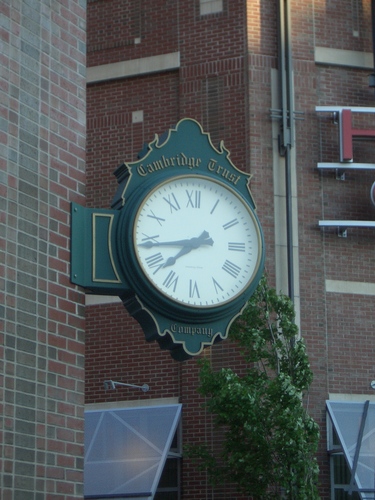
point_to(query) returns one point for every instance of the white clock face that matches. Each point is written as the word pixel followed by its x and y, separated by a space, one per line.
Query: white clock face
pixel 196 241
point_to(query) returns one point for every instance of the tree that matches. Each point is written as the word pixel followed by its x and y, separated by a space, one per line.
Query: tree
pixel 269 440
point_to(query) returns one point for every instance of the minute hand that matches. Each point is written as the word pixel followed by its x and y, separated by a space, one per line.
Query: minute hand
pixel 196 242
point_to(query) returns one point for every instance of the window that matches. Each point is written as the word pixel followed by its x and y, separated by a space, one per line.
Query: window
pixel 212 97
pixel 351 444
pixel 210 6
pixel 340 472
pixel 132 452
pixel 169 486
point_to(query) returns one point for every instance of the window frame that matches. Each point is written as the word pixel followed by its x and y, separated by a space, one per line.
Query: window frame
pixel 208 7
pixel 99 430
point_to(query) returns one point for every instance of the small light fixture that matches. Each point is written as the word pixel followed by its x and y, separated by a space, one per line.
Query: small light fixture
pixel 372 384
pixel 110 384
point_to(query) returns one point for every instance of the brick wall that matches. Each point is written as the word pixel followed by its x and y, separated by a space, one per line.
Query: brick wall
pixel 116 37
pixel 225 81
pixel 209 87
pixel 335 325
pixel 42 169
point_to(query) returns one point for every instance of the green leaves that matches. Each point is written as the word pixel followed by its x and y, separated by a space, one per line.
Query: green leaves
pixel 269 440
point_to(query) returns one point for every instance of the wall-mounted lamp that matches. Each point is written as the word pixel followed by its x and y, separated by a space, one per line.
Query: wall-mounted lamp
pixel 110 384
pixel 372 384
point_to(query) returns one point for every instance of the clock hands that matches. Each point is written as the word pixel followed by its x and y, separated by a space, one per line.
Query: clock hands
pixel 172 260
pixel 191 243
pixel 187 246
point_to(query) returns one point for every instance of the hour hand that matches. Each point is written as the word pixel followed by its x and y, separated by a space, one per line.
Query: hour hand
pixel 172 260
pixel 193 244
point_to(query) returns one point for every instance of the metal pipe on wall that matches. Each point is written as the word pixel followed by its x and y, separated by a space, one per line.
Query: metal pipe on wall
pixel 372 77
pixel 286 137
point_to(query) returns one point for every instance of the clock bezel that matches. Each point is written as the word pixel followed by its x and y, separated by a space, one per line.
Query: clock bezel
pixel 149 294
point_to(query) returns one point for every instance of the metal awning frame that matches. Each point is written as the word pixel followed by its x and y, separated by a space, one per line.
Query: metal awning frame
pixel 161 445
pixel 353 487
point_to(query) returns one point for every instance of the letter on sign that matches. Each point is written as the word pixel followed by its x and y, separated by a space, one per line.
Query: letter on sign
pixel 347 132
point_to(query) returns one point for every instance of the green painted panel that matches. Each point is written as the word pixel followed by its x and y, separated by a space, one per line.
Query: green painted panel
pixel 104 269
pixel 94 262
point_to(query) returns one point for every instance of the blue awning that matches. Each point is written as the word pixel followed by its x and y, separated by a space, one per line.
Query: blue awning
pixel 126 450
pixel 355 426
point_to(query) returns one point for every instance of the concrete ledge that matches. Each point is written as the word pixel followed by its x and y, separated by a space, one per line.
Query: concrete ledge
pixel 347 166
pixel 132 403
pixel 347 223
pixel 339 57
pixel 352 287
pixel 134 67
pixel 352 398
pixel 94 300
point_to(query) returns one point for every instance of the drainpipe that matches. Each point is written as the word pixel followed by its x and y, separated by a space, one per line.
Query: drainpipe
pixel 372 77
pixel 286 137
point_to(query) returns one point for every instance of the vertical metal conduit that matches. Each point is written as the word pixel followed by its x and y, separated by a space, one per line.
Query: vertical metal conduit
pixel 372 77
pixel 286 137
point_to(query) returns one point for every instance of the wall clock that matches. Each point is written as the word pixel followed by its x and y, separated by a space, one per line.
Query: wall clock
pixel 196 242
pixel 182 245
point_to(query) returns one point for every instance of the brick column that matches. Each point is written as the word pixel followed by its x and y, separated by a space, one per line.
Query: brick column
pixel 42 169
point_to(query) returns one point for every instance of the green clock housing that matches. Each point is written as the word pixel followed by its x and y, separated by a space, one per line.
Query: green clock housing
pixel 182 245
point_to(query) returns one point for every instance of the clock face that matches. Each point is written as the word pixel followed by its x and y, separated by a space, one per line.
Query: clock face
pixel 196 241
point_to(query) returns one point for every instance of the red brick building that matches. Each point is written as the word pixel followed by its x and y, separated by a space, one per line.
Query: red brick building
pixel 42 170
pixel 270 79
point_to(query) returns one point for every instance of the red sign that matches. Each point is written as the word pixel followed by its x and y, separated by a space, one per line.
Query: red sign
pixel 347 132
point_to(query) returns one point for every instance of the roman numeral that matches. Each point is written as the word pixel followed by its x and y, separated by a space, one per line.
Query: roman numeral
pixel 172 202
pixel 160 220
pixel 236 247
pixel 154 260
pixel 214 207
pixel 230 224
pixel 194 199
pixel 148 238
pixel 193 289
pixel 231 268
pixel 171 280
pixel 217 286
